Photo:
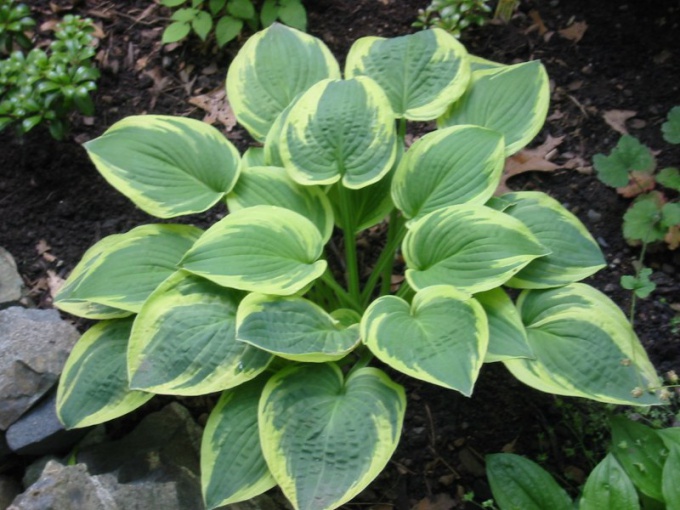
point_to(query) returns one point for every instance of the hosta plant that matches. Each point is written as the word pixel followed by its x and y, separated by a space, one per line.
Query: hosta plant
pixel 273 304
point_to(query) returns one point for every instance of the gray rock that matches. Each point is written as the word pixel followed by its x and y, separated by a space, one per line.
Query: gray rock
pixel 72 487
pixel 9 488
pixel 10 281
pixel 39 431
pixel 164 447
pixel 34 345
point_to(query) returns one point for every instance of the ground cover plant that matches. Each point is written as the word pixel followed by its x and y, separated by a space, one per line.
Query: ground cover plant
pixel 45 86
pixel 256 305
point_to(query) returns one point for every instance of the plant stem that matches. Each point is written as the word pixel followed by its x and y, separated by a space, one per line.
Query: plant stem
pixel 364 360
pixel 405 291
pixel 383 267
pixel 633 301
pixel 348 228
pixel 340 292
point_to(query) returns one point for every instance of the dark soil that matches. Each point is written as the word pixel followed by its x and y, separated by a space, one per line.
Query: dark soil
pixel 628 59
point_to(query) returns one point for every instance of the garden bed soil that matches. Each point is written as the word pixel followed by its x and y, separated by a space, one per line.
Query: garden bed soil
pixel 601 57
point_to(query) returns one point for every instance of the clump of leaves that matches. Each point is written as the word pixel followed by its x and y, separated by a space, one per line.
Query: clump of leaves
pixel 226 18
pixel 654 215
pixel 454 16
pixel 46 86
pixel 262 307
pixel 15 23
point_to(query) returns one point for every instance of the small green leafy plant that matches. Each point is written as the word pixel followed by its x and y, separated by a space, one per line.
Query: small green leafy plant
pixel 15 23
pixel 45 86
pixel 228 17
pixel 273 309
pixel 653 216
pixel 454 16
pixel 641 470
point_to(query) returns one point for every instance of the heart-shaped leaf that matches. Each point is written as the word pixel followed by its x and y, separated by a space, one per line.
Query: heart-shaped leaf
pixel 326 438
pixel 184 340
pixel 575 254
pixel 340 129
pixel 440 338
pixel 517 483
pixel 272 186
pixel 421 73
pixel 168 166
pixel 512 100
pixel 263 248
pixel 233 468
pixel 609 488
pixel 507 336
pixel 457 165
pixel 473 248
pixel 293 328
pixel 583 346
pixel 369 206
pixel 93 387
pixel 272 67
pixel 121 271
pixel 638 448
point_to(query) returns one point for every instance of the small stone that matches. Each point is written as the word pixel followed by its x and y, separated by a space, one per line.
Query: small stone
pixel 39 431
pixel 34 345
pixel 11 284
pixel 594 215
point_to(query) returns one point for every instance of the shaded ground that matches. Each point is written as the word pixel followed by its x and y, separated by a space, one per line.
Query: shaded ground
pixel 626 59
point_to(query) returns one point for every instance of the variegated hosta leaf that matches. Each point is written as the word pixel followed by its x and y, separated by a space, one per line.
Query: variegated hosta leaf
pixel 262 248
pixel 93 387
pixel 272 67
pixel 326 438
pixel 233 468
pixel 575 254
pixel 421 73
pixel 583 346
pixel 253 156
pixel 121 271
pixel 184 340
pixel 272 144
pixel 507 336
pixel 512 100
pixel 340 129
pixel 473 248
pixel 478 63
pixel 293 328
pixel 609 488
pixel 440 338
pixel 369 206
pixel 457 165
pixel 168 166
pixel 268 185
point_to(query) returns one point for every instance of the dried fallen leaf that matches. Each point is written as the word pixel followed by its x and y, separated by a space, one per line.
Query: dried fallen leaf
pixel 538 22
pixel 43 248
pixel 217 108
pixel 160 82
pixel 54 282
pixel 672 238
pixel 616 119
pixel 575 31
pixel 437 502
pixel 528 160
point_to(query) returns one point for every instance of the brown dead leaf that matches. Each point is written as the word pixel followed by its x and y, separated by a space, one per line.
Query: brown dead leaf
pixel 437 502
pixel 160 82
pixel 575 31
pixel 672 238
pixel 217 108
pixel 616 119
pixel 538 22
pixel 530 160
pixel 640 182
pixel 49 25
pixel 43 250
pixel 54 282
